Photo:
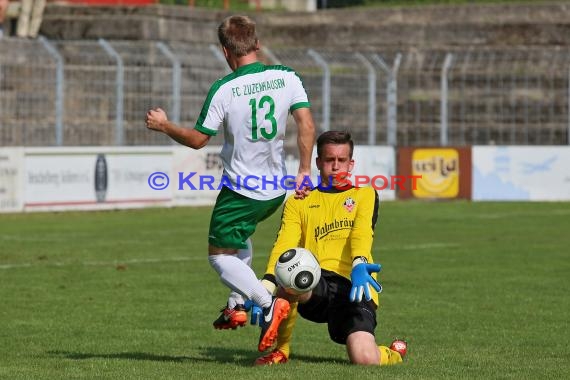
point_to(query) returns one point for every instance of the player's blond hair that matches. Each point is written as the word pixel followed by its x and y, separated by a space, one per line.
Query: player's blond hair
pixel 237 34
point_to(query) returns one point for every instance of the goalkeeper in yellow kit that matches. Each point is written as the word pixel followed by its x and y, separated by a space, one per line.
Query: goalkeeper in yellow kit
pixel 336 223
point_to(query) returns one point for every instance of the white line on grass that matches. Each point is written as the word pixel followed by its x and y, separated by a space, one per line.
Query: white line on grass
pixel 529 213
pixel 100 263
pixel 408 247
pixel 417 247
pixel 413 247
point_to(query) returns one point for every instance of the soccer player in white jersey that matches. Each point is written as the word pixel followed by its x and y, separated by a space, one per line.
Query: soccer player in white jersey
pixel 252 105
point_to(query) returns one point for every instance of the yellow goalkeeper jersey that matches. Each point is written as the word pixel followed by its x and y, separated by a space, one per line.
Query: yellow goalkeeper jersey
pixel 336 226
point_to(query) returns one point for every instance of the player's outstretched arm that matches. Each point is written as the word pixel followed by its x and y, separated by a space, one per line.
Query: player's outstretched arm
pixel 157 120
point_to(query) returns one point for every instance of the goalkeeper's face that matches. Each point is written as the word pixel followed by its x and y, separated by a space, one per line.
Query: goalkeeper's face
pixel 334 163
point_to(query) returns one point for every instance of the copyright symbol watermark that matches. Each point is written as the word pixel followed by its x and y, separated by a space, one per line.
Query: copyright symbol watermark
pixel 158 181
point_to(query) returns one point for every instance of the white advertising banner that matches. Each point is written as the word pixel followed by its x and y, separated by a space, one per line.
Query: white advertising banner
pixel 375 163
pixel 535 173
pixel 11 179
pixel 93 178
pixel 131 174
pixel 85 178
pixel 195 176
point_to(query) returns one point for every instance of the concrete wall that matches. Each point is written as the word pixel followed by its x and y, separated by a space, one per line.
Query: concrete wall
pixel 398 27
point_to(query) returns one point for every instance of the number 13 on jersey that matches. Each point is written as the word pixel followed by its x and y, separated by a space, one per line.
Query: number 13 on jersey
pixel 267 105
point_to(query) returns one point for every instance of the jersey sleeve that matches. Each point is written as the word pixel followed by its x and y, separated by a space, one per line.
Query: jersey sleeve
pixel 299 97
pixel 289 235
pixel 363 229
pixel 212 114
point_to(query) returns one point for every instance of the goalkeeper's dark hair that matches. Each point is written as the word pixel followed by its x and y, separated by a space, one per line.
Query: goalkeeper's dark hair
pixel 336 138
pixel 237 34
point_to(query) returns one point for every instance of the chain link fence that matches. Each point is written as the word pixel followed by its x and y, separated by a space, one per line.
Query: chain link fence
pixel 79 93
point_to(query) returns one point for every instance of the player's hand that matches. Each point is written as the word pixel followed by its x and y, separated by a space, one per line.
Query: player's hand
pixel 362 280
pixel 155 118
pixel 302 185
pixel 256 312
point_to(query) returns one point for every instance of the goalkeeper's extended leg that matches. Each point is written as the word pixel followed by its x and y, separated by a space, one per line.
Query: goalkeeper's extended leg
pixel 282 350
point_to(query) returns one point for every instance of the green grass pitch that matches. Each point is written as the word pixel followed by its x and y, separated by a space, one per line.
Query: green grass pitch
pixel 480 290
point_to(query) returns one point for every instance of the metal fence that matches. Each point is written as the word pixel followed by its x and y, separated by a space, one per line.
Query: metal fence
pixel 78 93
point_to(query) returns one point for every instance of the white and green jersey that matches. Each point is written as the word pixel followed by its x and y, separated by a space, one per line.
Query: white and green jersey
pixel 253 103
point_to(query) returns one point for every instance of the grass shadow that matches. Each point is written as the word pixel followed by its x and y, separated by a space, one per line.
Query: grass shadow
pixel 125 355
pixel 246 357
pixel 233 356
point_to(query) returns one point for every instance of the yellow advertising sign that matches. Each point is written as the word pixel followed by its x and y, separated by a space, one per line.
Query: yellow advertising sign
pixel 439 169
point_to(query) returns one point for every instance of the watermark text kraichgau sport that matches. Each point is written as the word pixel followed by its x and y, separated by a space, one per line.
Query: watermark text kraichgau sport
pixel 340 181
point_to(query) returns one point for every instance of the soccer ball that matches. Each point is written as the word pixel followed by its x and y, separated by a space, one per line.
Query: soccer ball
pixel 297 270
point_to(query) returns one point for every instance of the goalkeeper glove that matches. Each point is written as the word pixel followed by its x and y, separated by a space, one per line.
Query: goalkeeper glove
pixel 256 312
pixel 361 279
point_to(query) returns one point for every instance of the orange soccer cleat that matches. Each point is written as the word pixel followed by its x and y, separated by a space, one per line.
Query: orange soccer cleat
pixel 272 318
pixel 231 318
pixel 274 357
pixel 400 346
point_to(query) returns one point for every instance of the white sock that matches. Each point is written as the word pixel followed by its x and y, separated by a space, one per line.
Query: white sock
pixel 235 299
pixel 245 255
pixel 239 277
